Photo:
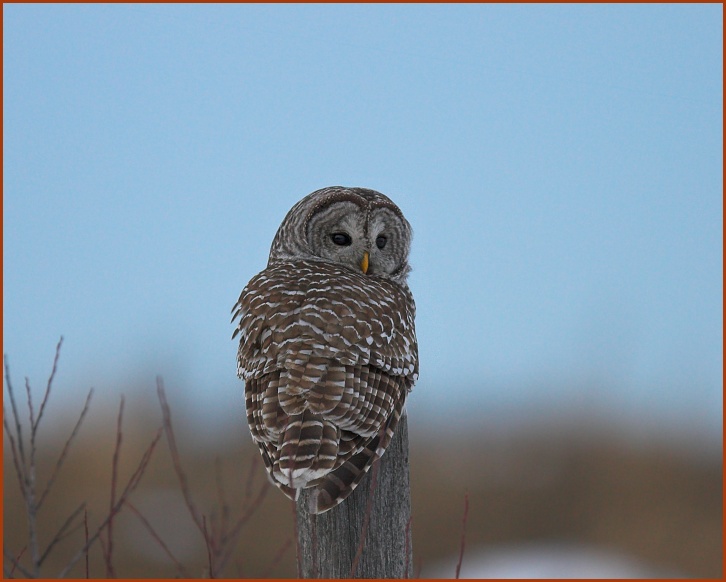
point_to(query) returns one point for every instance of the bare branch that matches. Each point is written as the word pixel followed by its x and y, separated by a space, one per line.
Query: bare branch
pixel 176 460
pixel 30 498
pixel 50 382
pixel 31 506
pixel 219 537
pixel 209 547
pixel 16 458
pixel 16 563
pixel 31 413
pixel 114 480
pixel 85 527
pixel 229 539
pixel 130 487
pixel 102 543
pixel 25 466
pixel 249 511
pixel 150 529
pixel 66 447
pixel 16 417
pixel 463 534
pixel 62 531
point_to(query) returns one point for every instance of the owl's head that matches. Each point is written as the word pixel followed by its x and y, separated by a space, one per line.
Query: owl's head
pixel 358 228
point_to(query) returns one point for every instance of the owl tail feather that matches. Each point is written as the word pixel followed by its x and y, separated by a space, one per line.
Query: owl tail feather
pixel 308 450
pixel 338 485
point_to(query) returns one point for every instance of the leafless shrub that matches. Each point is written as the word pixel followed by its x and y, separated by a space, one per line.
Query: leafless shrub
pixel 220 529
pixel 25 463
pixel 221 537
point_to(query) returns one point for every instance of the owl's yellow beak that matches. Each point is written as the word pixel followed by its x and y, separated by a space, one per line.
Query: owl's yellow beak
pixel 364 263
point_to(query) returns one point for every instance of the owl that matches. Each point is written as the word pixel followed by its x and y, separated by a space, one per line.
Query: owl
pixel 327 343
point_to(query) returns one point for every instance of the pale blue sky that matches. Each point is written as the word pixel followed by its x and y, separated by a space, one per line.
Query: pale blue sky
pixel 561 166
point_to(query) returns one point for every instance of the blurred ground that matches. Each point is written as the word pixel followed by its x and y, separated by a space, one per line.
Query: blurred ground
pixel 553 486
pixel 551 561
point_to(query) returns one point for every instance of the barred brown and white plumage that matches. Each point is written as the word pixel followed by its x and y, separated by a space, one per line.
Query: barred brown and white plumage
pixel 328 347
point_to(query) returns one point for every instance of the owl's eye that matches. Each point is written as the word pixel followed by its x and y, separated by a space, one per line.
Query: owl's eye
pixel 341 239
pixel 381 241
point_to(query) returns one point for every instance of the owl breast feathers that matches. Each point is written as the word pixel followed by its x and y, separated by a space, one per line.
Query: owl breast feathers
pixel 328 356
pixel 327 344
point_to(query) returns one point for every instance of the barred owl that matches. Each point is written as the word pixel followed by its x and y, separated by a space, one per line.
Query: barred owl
pixel 327 346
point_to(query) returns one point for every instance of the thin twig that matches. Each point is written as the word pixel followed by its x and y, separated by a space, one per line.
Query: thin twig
pixel 249 511
pixel 229 538
pixel 218 536
pixel 31 413
pixel 16 458
pixel 62 531
pixel 463 533
pixel 130 487
pixel 102 543
pixel 85 525
pixel 66 447
pixel 176 460
pixel 16 563
pixel 219 547
pixel 33 503
pixel 16 417
pixel 31 506
pixel 209 547
pixel 25 466
pixel 50 382
pixel 32 515
pixel 114 480
pixel 28 476
pixel 152 531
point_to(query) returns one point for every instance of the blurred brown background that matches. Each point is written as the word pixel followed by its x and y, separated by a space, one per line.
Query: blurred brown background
pixel 658 503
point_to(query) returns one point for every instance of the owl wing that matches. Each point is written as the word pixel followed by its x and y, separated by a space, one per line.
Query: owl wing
pixel 328 357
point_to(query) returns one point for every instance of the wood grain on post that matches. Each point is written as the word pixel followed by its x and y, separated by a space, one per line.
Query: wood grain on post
pixel 369 534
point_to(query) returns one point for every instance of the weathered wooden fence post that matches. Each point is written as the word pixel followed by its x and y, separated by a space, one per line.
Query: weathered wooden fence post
pixel 369 534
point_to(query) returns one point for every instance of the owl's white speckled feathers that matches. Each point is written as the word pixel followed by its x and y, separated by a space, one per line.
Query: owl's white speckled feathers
pixel 328 347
